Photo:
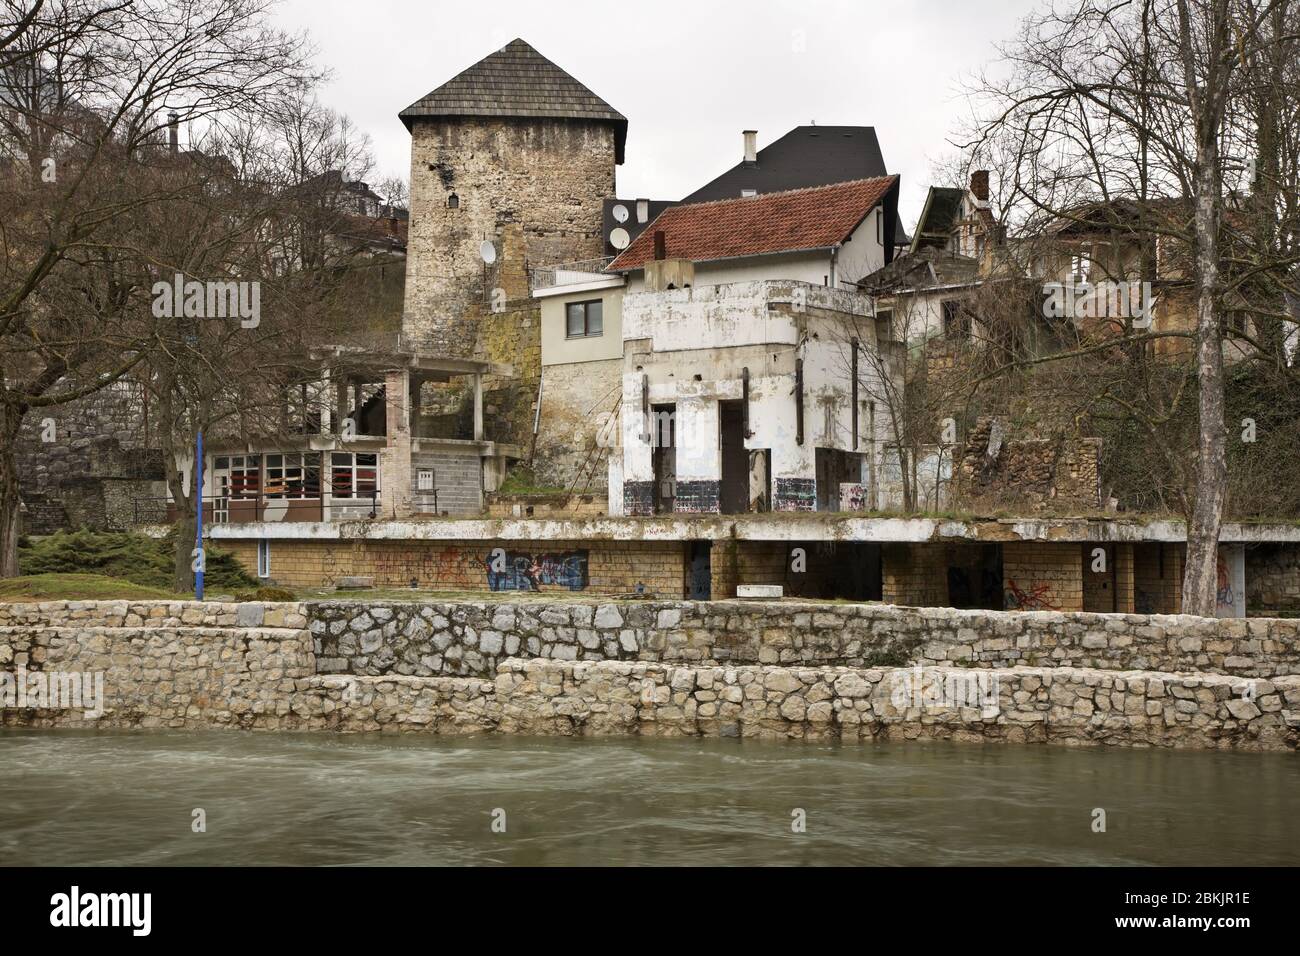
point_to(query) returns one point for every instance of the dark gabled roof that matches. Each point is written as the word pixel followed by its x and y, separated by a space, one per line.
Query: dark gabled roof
pixel 804 157
pixel 791 221
pixel 938 217
pixel 518 82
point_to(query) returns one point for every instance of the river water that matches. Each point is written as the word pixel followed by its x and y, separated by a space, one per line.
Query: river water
pixel 128 798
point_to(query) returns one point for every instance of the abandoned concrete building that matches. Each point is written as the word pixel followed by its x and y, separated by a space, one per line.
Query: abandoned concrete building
pixel 697 389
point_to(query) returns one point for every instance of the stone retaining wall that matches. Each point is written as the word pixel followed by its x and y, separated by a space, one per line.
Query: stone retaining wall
pixel 227 666
pixel 164 676
pixel 469 639
pixel 152 614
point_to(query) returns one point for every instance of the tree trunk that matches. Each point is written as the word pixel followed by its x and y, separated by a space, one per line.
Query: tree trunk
pixel 1200 575
pixel 11 420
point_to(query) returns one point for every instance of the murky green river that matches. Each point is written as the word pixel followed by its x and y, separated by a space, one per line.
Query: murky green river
pixel 301 799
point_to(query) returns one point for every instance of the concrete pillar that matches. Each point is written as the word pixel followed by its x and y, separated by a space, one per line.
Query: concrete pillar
pixel 478 406
pixel 340 403
pixel 395 459
pixel 1124 585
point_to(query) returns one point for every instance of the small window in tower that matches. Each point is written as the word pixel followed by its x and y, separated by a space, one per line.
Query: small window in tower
pixel 453 201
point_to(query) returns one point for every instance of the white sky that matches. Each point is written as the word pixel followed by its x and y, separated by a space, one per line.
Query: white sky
pixel 688 74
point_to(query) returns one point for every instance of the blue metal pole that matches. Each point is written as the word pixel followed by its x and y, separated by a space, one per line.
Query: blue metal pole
pixel 198 524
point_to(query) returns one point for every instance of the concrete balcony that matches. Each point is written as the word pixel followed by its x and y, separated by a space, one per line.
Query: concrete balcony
pixel 763 312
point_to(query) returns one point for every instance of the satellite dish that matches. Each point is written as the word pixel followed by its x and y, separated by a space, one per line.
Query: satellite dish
pixel 487 251
pixel 620 212
pixel 618 238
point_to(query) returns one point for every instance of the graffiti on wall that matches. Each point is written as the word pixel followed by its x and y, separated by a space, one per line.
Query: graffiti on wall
pixel 519 571
pixel 1035 599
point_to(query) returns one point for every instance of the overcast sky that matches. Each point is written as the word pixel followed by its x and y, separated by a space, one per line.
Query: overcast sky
pixel 689 76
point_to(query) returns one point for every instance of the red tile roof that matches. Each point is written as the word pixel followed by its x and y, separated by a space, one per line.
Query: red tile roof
pixel 813 218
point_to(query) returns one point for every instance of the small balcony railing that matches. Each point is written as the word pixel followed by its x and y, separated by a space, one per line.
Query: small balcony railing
pixel 570 273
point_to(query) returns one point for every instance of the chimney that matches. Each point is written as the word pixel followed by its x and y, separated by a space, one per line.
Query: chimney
pixel 643 210
pixel 979 184
pixel 751 146
pixel 173 132
pixel 661 251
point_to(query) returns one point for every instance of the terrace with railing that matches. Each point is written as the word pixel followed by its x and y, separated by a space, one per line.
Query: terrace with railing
pixel 571 273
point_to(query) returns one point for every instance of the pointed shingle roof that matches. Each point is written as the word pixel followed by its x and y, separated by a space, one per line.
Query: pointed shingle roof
pixel 517 81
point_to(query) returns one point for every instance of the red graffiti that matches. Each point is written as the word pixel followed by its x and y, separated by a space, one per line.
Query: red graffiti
pixel 1034 600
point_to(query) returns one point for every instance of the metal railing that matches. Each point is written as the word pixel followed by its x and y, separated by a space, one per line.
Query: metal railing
pixel 231 510
pixel 571 273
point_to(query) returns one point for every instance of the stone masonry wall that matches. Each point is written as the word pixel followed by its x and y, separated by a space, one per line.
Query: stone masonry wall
pixel 471 639
pixel 547 176
pixel 179 664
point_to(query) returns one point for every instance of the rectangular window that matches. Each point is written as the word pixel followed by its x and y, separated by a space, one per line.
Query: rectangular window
pixel 584 318
pixel 239 476
pixel 956 321
pixel 263 558
pixel 424 480
pixel 354 475
pixel 880 228
pixel 292 476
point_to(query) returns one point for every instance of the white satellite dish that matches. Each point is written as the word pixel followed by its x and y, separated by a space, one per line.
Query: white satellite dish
pixel 618 238
pixel 487 251
pixel 620 212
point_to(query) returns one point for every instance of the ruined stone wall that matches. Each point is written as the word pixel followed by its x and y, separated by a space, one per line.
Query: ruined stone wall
pixel 96 462
pixel 547 176
pixel 580 405
pixel 1033 474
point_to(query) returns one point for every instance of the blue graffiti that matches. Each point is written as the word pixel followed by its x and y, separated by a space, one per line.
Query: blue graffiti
pixel 523 572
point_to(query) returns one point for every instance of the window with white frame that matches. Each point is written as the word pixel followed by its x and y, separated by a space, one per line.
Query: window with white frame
pixel 354 475
pixel 293 475
pixel 237 476
pixel 263 557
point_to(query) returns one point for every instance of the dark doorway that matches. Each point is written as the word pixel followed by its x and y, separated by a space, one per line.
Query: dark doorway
pixel 844 570
pixel 699 584
pixel 834 468
pixel 975 577
pixel 663 439
pixel 735 460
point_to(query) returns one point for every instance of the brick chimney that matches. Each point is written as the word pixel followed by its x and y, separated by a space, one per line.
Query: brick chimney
pixel 979 184
pixel 173 132
pixel 751 146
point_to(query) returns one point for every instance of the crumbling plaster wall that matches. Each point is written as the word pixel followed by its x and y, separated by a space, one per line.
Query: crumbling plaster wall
pixel 693 346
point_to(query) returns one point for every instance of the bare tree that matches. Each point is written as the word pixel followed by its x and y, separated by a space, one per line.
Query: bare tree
pixel 1132 109
pixel 86 89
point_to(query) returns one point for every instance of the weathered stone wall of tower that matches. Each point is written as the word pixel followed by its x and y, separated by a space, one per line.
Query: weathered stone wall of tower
pixel 549 177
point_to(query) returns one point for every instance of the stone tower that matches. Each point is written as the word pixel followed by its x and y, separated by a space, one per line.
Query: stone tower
pixel 516 152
